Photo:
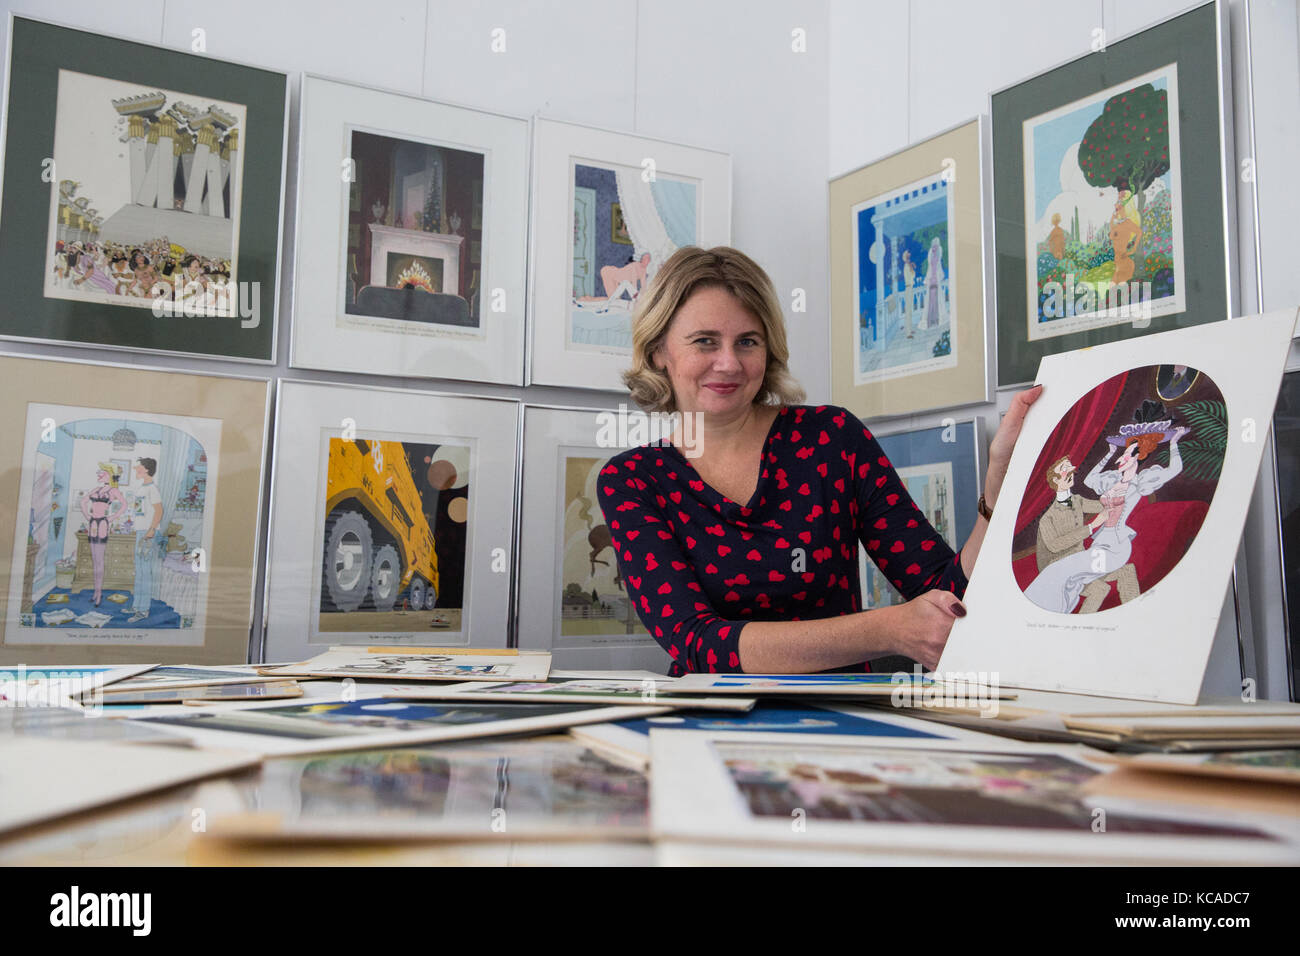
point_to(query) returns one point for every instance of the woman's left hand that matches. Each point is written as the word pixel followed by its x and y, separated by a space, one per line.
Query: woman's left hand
pixel 1005 440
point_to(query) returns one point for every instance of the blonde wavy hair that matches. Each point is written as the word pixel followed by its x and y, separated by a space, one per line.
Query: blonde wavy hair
pixel 688 269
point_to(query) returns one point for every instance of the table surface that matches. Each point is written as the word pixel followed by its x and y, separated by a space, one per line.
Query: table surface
pixel 167 829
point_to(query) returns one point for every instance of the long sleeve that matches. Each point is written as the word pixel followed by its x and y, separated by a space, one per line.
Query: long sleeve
pixel 1154 477
pixel 897 535
pixel 1101 481
pixel 658 575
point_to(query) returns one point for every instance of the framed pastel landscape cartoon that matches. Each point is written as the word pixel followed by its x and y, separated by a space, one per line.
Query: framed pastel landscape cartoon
pixel 941 467
pixel 142 196
pixel 391 520
pixel 412 236
pixel 139 493
pixel 908 278
pixel 608 210
pixel 573 603
pixel 1113 193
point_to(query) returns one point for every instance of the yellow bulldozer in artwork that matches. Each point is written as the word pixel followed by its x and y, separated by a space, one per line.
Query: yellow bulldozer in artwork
pixel 378 543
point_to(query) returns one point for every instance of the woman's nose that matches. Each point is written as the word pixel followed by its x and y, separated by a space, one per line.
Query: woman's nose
pixel 726 358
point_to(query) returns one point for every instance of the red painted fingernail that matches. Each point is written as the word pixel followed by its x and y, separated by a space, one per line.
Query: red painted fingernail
pixel 958 610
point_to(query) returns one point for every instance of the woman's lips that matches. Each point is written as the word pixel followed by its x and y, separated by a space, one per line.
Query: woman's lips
pixel 723 389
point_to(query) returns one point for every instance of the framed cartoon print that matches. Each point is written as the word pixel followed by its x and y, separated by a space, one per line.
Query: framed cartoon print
pixel 392 520
pixel 608 209
pixel 142 196
pixel 412 237
pixel 941 467
pixel 572 601
pixel 908 290
pixel 1113 193
pixel 133 503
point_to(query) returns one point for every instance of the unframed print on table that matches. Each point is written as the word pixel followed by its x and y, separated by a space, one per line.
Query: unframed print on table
pixel 975 799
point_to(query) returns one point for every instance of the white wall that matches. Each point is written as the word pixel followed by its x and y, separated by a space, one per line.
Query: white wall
pixel 903 71
pixel 721 75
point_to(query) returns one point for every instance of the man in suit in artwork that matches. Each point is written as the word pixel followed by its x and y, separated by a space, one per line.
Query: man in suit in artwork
pixel 1063 528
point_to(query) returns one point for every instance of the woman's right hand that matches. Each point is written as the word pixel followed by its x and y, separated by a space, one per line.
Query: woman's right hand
pixel 924 623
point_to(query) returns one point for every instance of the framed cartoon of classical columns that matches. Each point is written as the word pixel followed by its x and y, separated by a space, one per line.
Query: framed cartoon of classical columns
pixel 908 291
pixel 392 519
pixel 136 499
pixel 571 601
pixel 143 196
pixel 608 209
pixel 412 236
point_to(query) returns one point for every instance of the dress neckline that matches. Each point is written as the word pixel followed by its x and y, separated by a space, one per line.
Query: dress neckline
pixel 762 461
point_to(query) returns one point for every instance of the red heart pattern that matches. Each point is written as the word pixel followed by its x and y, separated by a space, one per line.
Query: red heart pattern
pixel 826 484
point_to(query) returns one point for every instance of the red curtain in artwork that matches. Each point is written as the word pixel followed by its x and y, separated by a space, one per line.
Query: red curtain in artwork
pixel 1074 436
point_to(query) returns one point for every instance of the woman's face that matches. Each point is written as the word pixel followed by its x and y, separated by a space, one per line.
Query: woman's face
pixel 1128 462
pixel 715 353
pixel 101 476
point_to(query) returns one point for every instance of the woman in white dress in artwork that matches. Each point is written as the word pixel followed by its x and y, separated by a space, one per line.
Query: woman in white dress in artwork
pixel 1060 584
pixel 933 281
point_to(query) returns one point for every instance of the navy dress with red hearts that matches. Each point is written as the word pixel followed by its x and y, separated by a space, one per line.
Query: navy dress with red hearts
pixel 698 566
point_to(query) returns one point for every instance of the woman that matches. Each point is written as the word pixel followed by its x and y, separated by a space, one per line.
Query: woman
pixel 740 551
pixel 142 275
pixel 933 281
pixel 97 508
pixel 1059 585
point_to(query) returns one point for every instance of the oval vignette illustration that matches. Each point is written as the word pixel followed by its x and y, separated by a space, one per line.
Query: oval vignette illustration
pixel 1120 489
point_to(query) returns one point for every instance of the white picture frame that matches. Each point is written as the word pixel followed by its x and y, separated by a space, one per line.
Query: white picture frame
pixel 552 436
pixel 309 417
pixel 555 231
pixel 325 334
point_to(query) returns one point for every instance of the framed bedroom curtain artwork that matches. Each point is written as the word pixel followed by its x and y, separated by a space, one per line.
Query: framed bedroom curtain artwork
pixel 412 237
pixel 139 493
pixel 392 520
pixel 143 195
pixel 571 600
pixel 608 209
pixel 1113 193
pixel 908 235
